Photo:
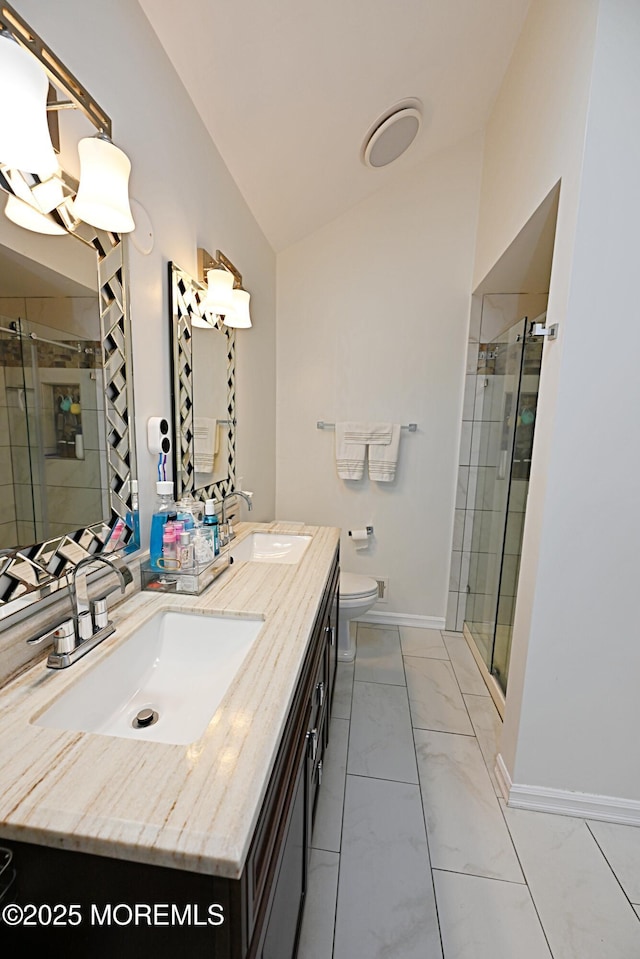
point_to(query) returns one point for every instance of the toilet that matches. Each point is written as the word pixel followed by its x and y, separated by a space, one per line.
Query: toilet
pixel 357 595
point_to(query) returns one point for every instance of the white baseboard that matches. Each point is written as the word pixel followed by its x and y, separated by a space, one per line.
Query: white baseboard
pixel 402 619
pixel 563 802
pixel 503 777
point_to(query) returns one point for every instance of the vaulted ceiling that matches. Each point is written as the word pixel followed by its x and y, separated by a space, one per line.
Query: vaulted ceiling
pixel 289 89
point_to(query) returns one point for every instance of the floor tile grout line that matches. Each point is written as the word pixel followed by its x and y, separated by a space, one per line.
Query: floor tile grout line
pixel 382 779
pixel 455 676
pixel 479 875
pixel 496 797
pixel 426 833
pixel 422 802
pixel 511 839
pixel 524 872
pixel 450 732
pixel 490 771
pixel 344 798
pixel 604 856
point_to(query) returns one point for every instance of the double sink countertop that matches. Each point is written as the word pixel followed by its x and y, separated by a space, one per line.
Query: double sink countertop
pixel 188 807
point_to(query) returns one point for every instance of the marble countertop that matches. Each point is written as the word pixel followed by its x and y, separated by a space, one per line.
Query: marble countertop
pixel 188 807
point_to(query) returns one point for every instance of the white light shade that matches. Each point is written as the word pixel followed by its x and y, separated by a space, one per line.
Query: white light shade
pixel 239 315
pixel 25 142
pixel 26 216
pixel 219 290
pixel 103 194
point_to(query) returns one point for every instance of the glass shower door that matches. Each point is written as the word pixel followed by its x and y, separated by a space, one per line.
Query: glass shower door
pixel 493 440
pixel 517 504
pixel 18 513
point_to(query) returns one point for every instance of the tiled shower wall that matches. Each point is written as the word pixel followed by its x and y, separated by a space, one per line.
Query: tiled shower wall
pixel 74 488
pixel 490 316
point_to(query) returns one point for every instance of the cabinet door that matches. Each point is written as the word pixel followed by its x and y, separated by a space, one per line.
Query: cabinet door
pixel 332 654
pixel 286 912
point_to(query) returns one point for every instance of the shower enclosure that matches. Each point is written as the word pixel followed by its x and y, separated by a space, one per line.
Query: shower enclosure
pixel 52 432
pixel 504 417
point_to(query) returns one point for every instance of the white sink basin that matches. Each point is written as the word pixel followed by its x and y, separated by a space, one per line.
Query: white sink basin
pixel 177 664
pixel 270 548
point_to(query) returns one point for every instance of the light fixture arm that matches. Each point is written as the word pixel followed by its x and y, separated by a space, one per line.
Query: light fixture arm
pixel 207 262
pixel 12 22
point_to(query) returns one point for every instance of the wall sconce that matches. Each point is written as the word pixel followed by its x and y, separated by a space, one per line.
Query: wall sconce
pixel 225 295
pixel 27 68
pixel 25 141
pixel 103 195
pixel 26 216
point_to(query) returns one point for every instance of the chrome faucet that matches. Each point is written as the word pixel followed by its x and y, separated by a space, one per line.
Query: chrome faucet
pixel 90 623
pixel 227 528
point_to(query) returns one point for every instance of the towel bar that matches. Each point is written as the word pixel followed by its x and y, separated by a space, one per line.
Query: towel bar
pixel 321 425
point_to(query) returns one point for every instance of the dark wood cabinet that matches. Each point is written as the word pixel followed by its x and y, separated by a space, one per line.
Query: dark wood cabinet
pixel 262 910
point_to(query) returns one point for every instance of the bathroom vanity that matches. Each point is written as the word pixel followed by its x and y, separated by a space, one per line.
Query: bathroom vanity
pixel 201 848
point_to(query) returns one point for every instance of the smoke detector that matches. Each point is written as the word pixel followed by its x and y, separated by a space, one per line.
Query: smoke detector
pixel 392 134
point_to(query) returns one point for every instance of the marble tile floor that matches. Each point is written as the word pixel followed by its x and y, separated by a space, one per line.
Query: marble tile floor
pixel 415 854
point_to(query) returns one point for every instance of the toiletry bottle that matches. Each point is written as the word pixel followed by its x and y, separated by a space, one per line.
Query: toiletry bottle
pixel 185 550
pixel 210 522
pixel 164 506
pixel 133 515
pixel 169 546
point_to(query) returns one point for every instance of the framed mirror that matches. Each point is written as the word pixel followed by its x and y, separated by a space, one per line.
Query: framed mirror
pixel 66 379
pixel 203 384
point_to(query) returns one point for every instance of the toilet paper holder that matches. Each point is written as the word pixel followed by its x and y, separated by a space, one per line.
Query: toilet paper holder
pixel 367 529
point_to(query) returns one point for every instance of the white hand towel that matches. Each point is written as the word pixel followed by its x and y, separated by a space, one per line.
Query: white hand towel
pixel 349 456
pixel 369 433
pixel 384 459
pixel 204 443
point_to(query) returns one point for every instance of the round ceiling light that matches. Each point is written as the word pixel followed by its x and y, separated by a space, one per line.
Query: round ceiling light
pixel 392 134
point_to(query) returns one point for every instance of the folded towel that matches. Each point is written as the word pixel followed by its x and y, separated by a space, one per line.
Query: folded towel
pixel 349 456
pixel 204 443
pixel 369 433
pixel 383 459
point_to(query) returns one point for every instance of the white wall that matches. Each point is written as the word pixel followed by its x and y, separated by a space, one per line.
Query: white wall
pixel 373 312
pixel 581 711
pixel 179 178
pixel 564 113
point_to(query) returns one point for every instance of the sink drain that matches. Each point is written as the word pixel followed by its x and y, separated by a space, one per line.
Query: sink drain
pixel 146 717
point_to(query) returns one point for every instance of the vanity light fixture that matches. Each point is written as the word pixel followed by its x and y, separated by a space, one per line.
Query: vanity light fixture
pixel 30 77
pixel 239 315
pixel 219 290
pixel 26 216
pixel 25 141
pixel 225 294
pixel 103 195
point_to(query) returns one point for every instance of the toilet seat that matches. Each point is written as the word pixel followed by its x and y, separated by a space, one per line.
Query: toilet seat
pixel 357 589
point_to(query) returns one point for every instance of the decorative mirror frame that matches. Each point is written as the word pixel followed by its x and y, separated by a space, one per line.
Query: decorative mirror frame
pixel 30 573
pixel 187 299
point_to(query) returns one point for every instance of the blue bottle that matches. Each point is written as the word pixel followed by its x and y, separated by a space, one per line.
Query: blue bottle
pixel 210 523
pixel 133 518
pixel 164 505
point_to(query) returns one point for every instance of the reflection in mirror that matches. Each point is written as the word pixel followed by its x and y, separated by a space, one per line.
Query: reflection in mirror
pixel 210 401
pixel 67 457
pixel 203 393
pixel 53 477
